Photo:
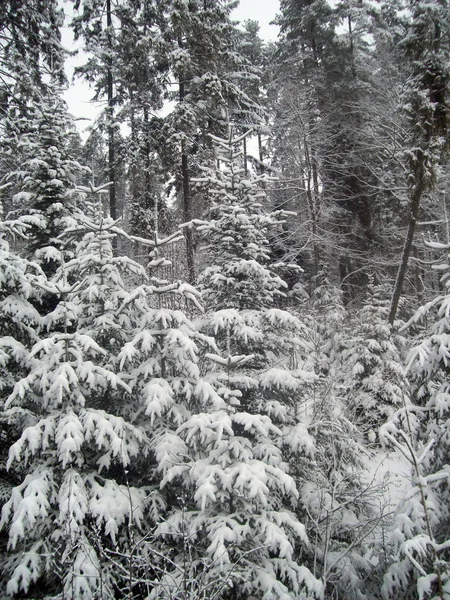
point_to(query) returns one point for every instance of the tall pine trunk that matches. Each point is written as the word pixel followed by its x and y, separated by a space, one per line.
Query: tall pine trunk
pixel 187 205
pixel 111 140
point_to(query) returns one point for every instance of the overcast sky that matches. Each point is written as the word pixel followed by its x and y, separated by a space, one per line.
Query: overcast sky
pixel 263 11
pixel 79 95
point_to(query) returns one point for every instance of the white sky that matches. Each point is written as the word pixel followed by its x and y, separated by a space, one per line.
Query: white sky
pixel 263 11
pixel 78 95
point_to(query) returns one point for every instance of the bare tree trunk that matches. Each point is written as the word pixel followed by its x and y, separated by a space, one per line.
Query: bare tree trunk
pixel 187 205
pixel 415 204
pixel 110 91
pixel 418 275
pixel 260 151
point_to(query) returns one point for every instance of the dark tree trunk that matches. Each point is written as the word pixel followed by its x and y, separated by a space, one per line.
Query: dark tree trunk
pixel 187 207
pixel 148 183
pixel 111 148
pixel 414 211
pixel 260 151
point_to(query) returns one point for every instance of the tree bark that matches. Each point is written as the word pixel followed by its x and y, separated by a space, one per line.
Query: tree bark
pixel 110 91
pixel 312 193
pixel 147 150
pixel 187 205
pixel 414 211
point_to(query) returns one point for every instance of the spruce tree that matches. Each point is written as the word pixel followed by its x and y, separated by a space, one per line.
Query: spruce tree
pixel 238 455
pixel 73 501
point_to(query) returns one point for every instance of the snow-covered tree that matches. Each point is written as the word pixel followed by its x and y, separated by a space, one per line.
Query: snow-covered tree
pixel 337 498
pixel 31 46
pixel 104 461
pixel 74 499
pixel 246 497
pixel 327 317
pixel 20 282
pixel 20 288
pixel 420 539
pixel 42 182
pixel 242 274
pixel 426 49
pixel 376 382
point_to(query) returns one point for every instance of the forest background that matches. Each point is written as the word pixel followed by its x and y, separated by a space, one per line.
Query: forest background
pixel 225 310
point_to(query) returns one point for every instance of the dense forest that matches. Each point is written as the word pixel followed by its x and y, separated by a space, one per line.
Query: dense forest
pixel 225 311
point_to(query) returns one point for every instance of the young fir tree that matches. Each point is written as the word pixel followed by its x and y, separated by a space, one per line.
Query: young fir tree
pixel 73 500
pixel 376 384
pixel 20 322
pixel 38 185
pixel 102 460
pixel 265 364
pixel 237 455
pixel 420 538
pixel 327 318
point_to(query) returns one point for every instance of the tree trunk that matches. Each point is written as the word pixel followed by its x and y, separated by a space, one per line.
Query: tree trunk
pixel 187 208
pixel 415 204
pixel 312 193
pixel 148 183
pixel 260 152
pixel 245 156
pixel 110 91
